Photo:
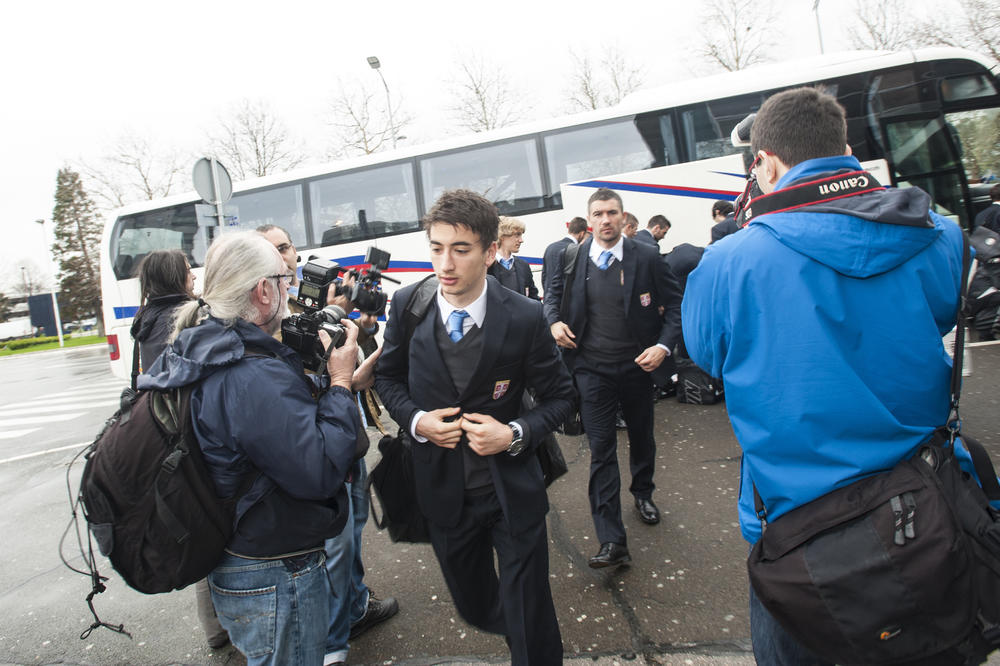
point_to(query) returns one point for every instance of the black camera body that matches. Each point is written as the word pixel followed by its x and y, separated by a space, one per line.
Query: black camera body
pixel 317 277
pixel 301 333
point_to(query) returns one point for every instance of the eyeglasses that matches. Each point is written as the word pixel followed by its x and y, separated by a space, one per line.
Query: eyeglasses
pixel 287 277
pixel 285 247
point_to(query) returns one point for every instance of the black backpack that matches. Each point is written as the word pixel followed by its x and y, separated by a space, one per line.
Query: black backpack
pixel 148 498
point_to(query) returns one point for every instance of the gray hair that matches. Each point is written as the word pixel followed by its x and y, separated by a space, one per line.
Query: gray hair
pixel 234 265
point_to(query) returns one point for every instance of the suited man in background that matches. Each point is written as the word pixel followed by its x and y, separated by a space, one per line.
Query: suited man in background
pixel 655 230
pixel 510 271
pixel 613 336
pixel 456 386
pixel 576 233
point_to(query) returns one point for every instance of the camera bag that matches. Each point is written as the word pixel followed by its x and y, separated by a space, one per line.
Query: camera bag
pixel 695 386
pixel 901 566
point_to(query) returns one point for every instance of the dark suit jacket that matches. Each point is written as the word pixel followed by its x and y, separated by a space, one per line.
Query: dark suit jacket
pixel 552 260
pixel 517 349
pixel 525 281
pixel 647 278
pixel 644 236
pixel 989 217
pixel 724 228
pixel 682 260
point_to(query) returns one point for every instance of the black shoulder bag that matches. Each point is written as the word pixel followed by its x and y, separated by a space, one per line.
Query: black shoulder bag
pixel 901 566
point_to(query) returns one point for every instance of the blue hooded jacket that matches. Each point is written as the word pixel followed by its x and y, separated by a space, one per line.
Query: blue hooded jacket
pixel 825 324
pixel 259 413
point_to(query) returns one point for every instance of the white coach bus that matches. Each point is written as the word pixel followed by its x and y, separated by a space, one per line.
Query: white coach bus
pixel 666 151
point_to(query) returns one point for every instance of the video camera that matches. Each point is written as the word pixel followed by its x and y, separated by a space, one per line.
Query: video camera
pixel 301 331
pixel 367 294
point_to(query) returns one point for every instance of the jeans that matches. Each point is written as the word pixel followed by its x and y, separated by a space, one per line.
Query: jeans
pixel 276 611
pixel 772 645
pixel 348 592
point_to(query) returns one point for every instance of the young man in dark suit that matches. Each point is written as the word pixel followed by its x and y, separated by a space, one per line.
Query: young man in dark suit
pixel 613 336
pixel 456 387
pixel 511 271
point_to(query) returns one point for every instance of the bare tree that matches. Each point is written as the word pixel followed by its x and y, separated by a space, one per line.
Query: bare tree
pixel 361 120
pixel 976 27
pixel 606 84
pixel 254 142
pixel 28 279
pixel 884 25
pixel 485 99
pixel 736 33
pixel 133 169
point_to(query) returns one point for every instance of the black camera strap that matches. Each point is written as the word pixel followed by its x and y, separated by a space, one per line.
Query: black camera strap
pixel 810 193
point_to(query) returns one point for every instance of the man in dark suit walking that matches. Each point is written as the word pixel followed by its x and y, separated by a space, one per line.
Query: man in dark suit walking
pixel 576 233
pixel 613 337
pixel 655 230
pixel 456 386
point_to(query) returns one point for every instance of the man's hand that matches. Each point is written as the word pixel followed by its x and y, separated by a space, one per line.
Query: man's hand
pixel 342 301
pixel 487 436
pixel 367 321
pixel 651 359
pixel 437 430
pixel 563 336
pixel 343 359
pixel 364 376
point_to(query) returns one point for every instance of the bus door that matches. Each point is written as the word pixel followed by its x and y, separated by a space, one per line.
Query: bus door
pixel 925 151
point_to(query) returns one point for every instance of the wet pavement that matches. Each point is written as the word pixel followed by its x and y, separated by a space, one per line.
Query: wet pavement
pixel 683 600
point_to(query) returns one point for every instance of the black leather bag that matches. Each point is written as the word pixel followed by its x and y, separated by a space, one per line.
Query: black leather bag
pixel 395 488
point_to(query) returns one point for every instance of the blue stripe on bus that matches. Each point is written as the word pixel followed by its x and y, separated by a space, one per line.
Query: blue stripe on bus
pixel 697 192
pixel 126 312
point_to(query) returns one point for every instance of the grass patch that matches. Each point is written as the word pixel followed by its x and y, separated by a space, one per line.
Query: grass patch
pixel 53 343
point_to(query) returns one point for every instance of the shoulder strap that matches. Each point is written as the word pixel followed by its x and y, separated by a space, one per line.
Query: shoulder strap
pixel 569 259
pixel 135 362
pixel 417 306
pixel 569 267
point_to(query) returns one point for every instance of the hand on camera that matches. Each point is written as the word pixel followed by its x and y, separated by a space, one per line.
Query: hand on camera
pixel 364 376
pixel 342 360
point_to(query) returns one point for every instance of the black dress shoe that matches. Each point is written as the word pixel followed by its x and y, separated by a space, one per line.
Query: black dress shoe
pixel 648 513
pixel 610 555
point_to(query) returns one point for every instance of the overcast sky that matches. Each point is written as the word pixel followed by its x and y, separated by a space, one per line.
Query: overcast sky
pixel 77 75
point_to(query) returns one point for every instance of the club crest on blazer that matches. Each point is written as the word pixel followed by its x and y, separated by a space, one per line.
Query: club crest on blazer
pixel 500 388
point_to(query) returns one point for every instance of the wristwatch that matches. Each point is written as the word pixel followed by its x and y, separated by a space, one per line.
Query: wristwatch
pixel 517 444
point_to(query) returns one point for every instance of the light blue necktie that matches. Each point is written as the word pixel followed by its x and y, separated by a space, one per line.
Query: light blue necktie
pixel 455 324
pixel 507 263
pixel 604 260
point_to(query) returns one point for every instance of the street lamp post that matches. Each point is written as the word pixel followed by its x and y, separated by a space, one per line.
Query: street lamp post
pixel 55 300
pixel 819 29
pixel 377 66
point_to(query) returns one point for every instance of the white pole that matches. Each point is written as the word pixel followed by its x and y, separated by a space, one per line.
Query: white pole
pixel 55 300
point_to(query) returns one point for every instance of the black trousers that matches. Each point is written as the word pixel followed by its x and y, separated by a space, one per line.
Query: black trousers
pixel 602 387
pixel 518 602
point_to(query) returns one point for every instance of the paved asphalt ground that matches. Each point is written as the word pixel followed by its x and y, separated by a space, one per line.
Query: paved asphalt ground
pixel 683 600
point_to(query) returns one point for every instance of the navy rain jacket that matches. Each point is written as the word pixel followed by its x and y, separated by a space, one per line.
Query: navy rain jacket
pixel 259 413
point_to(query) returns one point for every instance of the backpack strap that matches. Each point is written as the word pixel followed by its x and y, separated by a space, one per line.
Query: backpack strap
pixel 417 306
pixel 568 268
